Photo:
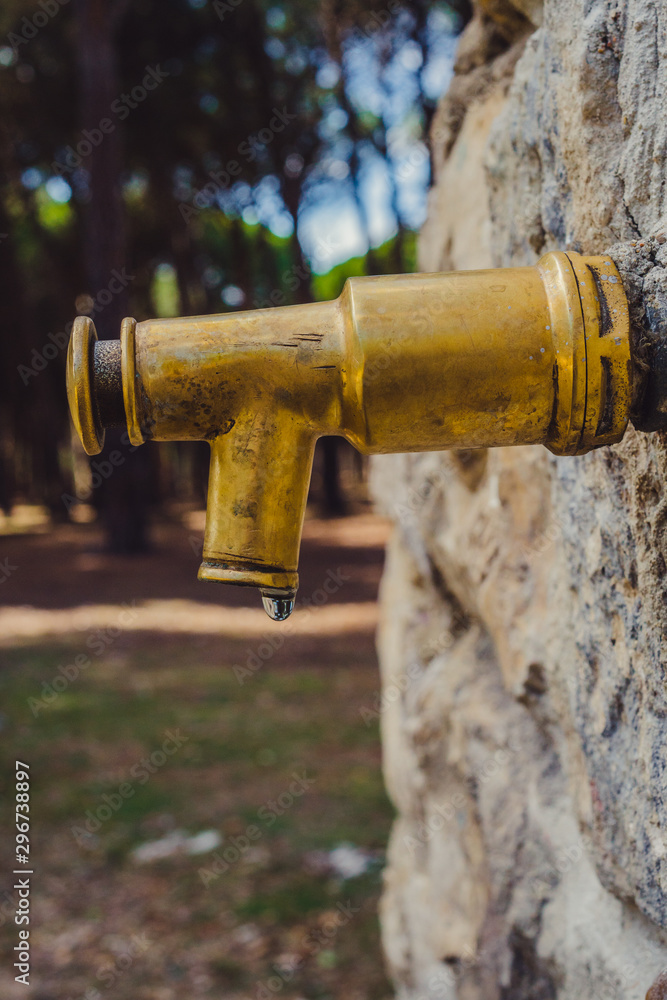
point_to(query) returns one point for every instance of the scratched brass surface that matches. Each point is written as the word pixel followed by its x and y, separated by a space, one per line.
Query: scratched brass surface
pixel 534 355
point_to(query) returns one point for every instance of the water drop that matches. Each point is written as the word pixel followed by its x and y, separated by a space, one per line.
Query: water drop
pixel 278 604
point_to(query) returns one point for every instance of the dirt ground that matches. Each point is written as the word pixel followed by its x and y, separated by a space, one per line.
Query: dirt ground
pixel 207 811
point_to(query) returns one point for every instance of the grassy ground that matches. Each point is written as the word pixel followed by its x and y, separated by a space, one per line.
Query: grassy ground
pixel 157 735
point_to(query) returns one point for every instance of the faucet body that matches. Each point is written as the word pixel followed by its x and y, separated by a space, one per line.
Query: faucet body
pixel 533 355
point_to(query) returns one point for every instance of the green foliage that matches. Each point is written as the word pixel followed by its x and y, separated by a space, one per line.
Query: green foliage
pixel 330 285
pixel 56 218
pixel 164 291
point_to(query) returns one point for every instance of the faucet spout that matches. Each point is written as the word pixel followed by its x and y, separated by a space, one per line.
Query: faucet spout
pixel 257 492
pixel 534 355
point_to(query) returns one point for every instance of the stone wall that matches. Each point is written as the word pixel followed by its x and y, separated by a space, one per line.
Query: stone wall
pixel 525 597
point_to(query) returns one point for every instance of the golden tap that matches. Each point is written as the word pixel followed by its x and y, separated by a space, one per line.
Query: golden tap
pixel 420 362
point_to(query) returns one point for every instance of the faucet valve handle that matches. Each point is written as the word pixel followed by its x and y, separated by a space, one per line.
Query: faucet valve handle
pixel 99 389
pixel 80 385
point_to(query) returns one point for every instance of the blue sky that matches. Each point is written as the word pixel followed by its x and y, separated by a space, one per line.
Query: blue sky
pixel 331 229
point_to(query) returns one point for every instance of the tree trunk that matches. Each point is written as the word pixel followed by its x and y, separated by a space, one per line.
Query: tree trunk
pixel 122 497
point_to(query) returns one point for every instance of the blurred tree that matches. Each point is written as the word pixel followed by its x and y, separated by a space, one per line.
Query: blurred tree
pixel 166 156
pixel 122 498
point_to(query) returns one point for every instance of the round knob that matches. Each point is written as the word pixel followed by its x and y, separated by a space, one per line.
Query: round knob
pixel 79 385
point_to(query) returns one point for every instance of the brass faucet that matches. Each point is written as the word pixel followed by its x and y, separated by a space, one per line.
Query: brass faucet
pixel 474 359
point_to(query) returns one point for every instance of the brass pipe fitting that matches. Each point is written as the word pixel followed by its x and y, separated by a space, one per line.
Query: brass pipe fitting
pixel 475 359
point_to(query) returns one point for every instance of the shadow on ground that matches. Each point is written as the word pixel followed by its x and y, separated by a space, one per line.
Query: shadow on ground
pixel 208 815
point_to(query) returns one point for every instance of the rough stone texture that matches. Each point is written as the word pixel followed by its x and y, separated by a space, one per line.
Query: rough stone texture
pixel 524 709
